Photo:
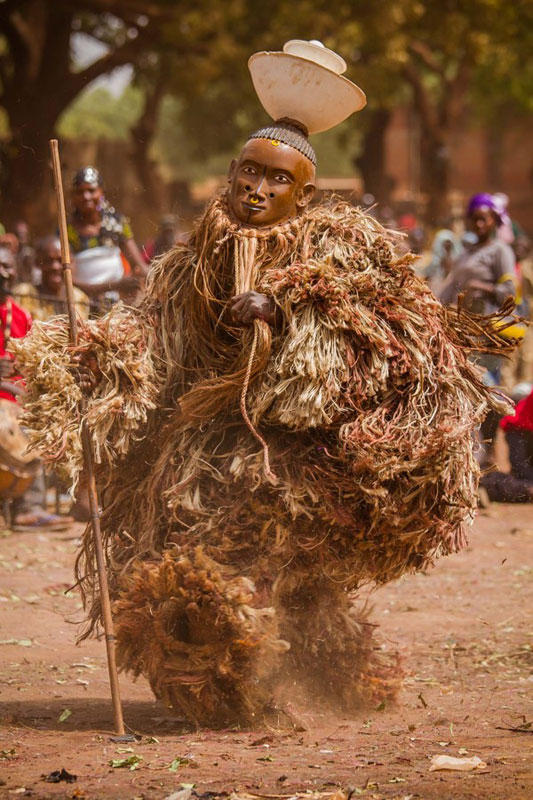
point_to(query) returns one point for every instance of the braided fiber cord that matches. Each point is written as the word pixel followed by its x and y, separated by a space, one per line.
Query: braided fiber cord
pixel 245 268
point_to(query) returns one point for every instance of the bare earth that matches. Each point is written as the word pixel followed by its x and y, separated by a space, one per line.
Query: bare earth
pixel 463 630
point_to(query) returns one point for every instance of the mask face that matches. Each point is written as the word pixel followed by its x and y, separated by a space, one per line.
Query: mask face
pixel 270 183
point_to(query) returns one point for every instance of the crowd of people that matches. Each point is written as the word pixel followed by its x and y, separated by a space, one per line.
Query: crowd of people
pixel 108 266
pixel 479 263
pixel 482 267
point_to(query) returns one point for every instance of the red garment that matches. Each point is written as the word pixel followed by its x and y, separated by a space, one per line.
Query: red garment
pixel 522 419
pixel 20 325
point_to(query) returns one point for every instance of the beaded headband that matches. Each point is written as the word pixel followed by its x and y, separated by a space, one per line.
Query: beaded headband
pixel 290 133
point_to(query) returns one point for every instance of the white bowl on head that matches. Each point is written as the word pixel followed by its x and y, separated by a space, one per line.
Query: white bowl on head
pixel 303 90
pixel 317 52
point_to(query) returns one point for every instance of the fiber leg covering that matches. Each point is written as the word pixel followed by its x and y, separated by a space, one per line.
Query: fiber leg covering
pixel 197 637
pixel 332 648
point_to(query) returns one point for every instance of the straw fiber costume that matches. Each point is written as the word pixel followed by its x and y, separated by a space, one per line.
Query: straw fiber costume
pixel 253 476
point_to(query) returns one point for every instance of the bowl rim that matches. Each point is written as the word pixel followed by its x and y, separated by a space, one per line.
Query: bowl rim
pixel 353 87
pixel 318 48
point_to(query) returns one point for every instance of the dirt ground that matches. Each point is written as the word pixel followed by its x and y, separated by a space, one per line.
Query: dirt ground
pixel 463 632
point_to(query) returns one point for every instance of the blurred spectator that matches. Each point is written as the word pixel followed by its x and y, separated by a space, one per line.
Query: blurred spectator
pixel 520 366
pixel 524 257
pixel 10 241
pixel 510 229
pixel 49 298
pixel 166 238
pixel 107 259
pixel 485 273
pixel 15 323
pixel 446 248
pixel 386 217
pixel 46 301
pixel 505 229
pixel 416 236
pixel 368 200
pixel 516 486
pixel 25 253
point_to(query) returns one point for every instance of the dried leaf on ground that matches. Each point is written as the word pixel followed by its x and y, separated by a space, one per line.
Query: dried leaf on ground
pixel 181 794
pixel 461 764
pixel 20 642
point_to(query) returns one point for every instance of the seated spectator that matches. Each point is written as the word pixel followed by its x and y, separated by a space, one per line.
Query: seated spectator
pixel 15 322
pixel 49 299
pixel 166 238
pixel 516 486
pixel 445 249
pixel 25 253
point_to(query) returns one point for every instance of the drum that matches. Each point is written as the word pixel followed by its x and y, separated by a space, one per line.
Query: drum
pixel 17 466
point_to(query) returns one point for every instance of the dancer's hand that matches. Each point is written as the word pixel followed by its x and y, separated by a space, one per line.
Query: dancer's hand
pixel 246 307
pixel 85 368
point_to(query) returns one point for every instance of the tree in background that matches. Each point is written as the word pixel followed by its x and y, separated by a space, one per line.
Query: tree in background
pixel 39 76
pixel 451 60
pixel 193 51
pixel 438 56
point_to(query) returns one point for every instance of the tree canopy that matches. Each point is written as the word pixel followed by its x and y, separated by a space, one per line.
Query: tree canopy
pixel 99 114
pixel 444 58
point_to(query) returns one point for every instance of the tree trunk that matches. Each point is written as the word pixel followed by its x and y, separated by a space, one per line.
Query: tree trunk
pixel 434 174
pixel 27 174
pixel 439 114
pixel 152 186
pixel 371 161
pixel 33 101
pixel 494 150
pixel 38 82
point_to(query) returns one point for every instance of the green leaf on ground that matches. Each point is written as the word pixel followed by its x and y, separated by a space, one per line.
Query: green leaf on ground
pixel 178 762
pixel 65 714
pixel 132 762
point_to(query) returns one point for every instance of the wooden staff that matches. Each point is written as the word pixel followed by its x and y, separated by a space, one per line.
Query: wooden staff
pixel 87 452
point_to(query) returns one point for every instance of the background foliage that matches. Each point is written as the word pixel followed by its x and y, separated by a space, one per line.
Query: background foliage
pixel 191 98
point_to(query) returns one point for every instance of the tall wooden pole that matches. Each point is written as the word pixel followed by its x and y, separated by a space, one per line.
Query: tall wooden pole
pixel 87 452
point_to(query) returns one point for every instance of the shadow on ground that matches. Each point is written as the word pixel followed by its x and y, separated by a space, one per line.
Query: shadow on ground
pixel 91 714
